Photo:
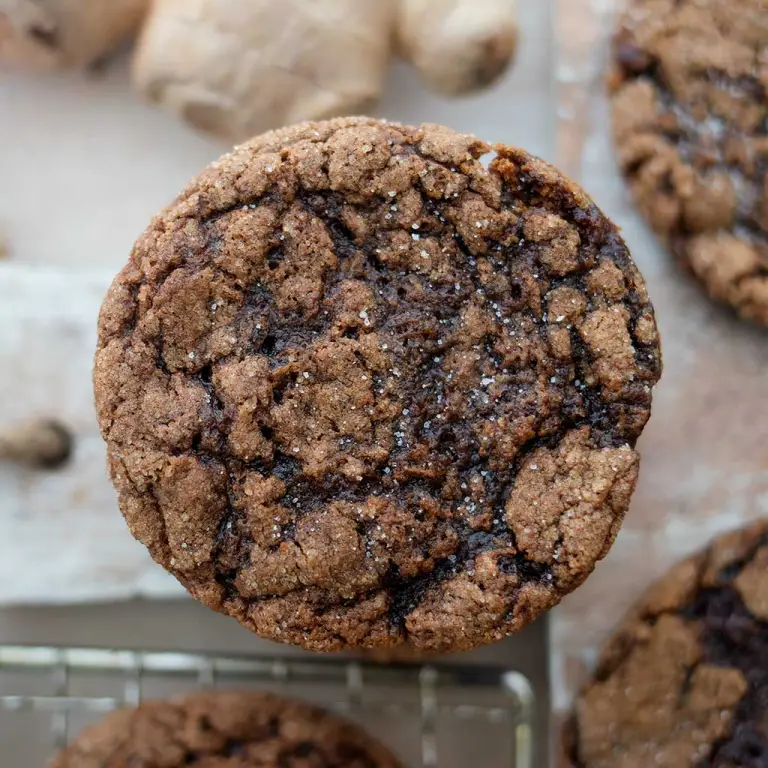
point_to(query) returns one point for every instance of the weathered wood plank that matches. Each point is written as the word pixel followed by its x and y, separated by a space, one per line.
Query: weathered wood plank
pixel 63 538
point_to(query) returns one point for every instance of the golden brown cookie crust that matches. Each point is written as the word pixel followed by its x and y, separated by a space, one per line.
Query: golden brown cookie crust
pixel 224 730
pixel 684 682
pixel 690 122
pixel 359 390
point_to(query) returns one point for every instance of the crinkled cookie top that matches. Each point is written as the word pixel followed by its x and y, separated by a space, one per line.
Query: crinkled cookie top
pixel 685 680
pixel 222 729
pixel 690 119
pixel 360 390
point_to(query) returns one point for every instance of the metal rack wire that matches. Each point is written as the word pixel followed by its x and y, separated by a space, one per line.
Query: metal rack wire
pixel 434 696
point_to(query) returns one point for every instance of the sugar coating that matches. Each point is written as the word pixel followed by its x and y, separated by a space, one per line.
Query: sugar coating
pixel 359 390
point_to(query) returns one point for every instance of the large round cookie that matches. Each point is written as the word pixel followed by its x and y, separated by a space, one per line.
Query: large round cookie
pixel 690 121
pixel 684 682
pixel 224 730
pixel 358 390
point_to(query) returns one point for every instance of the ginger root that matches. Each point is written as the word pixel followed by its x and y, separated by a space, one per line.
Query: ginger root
pixel 47 35
pixel 41 443
pixel 235 69
pixel 458 46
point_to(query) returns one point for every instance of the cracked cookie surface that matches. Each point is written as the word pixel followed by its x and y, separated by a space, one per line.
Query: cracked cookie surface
pixel 359 390
pixel 684 682
pixel 690 122
pixel 224 730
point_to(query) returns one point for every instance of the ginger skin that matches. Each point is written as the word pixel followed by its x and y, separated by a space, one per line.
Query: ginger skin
pixel 235 69
pixel 50 35
pixel 458 46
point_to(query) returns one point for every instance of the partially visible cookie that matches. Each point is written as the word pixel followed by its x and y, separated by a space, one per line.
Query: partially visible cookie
pixel 690 122
pixel 361 390
pixel 684 682
pixel 224 730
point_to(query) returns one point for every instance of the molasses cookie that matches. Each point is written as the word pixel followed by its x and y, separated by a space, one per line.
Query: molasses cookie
pixel 690 122
pixel 359 390
pixel 224 729
pixel 684 682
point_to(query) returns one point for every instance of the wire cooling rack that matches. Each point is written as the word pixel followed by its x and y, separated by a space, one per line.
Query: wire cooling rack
pixel 434 712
